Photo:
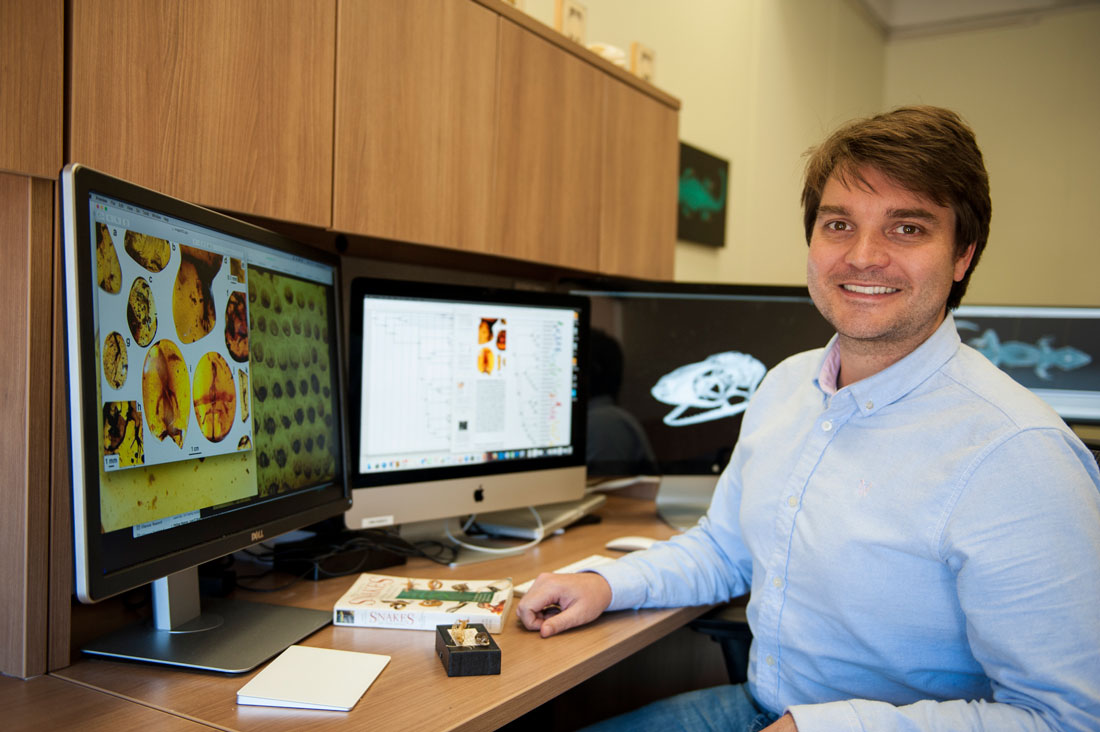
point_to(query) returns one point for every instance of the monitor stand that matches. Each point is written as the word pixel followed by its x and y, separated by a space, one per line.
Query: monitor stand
pixel 229 636
pixel 683 499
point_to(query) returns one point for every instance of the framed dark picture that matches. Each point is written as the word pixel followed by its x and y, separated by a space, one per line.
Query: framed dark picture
pixel 701 205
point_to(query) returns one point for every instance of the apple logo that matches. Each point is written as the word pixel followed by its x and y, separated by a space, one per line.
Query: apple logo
pixel 479 494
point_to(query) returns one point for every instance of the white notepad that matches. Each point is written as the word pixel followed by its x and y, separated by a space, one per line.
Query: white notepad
pixel 305 677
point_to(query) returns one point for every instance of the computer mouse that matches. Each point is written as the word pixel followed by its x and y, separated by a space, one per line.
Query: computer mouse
pixel 630 543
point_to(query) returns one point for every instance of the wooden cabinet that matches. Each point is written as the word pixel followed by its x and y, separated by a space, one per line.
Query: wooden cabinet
pixel 467 125
pixel 26 245
pixel 547 189
pixel 638 198
pixel 229 104
pixel 415 106
pixel 32 84
pixel 461 124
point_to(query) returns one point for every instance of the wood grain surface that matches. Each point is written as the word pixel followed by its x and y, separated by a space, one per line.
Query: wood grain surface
pixel 415 106
pixel 47 703
pixel 32 46
pixel 26 232
pixel 641 152
pixel 227 104
pixel 549 127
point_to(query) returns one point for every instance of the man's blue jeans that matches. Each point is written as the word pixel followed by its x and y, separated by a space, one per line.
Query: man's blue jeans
pixel 727 708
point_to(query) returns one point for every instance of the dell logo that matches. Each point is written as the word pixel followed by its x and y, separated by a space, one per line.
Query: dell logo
pixel 257 535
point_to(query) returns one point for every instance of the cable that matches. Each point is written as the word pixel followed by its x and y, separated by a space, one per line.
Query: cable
pixel 360 541
pixel 539 536
pixel 376 539
pixel 289 583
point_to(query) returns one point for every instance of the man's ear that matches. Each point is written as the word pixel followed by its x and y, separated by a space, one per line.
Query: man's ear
pixel 962 264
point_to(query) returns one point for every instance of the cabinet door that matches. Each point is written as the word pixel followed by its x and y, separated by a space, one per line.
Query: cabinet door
pixel 640 158
pixel 229 104
pixel 32 46
pixel 415 104
pixel 546 205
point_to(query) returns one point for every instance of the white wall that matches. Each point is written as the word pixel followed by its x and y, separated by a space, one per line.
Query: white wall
pixel 1032 94
pixel 814 64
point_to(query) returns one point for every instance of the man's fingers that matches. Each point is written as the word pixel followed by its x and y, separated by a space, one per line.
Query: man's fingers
pixel 530 606
pixel 558 602
pixel 535 619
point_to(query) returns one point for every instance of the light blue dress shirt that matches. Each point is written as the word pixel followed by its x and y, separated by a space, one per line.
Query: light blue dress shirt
pixel 922 546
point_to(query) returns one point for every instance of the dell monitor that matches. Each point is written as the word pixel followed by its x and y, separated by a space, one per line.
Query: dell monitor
pixel 205 396
pixel 1054 351
pixel 463 400
pixel 674 367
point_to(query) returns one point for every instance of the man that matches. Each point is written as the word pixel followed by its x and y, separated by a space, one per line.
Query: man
pixel 920 534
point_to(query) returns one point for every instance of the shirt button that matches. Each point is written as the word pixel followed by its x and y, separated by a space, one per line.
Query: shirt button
pixel 826 425
pixel 792 501
pixel 869 406
pixel 770 660
pixel 778 582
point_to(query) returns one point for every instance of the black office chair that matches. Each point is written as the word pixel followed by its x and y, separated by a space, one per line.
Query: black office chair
pixel 727 626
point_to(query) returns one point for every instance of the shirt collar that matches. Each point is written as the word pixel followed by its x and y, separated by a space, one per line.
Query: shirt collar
pixel 830 369
pixel 896 380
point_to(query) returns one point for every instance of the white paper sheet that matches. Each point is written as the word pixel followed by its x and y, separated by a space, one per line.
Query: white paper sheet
pixel 304 677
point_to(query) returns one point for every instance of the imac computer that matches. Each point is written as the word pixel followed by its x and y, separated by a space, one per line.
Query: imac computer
pixel 205 395
pixel 462 401
pixel 1054 351
pixel 673 367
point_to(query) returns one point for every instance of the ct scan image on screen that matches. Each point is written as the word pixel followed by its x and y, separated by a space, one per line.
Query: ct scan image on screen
pixel 675 366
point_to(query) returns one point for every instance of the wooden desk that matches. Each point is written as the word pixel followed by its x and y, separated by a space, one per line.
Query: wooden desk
pixel 414 692
pixel 45 703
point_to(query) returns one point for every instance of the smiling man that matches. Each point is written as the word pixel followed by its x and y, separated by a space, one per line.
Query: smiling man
pixel 894 229
pixel 920 534
pixel 882 261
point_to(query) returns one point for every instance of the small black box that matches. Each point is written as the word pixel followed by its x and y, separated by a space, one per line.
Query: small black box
pixel 458 660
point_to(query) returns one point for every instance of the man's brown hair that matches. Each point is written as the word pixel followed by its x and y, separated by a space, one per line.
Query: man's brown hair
pixel 927 150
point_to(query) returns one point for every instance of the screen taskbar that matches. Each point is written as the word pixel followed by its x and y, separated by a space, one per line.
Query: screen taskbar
pixel 387 463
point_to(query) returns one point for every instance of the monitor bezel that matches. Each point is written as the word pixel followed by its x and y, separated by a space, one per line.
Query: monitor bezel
pixel 362 287
pixel 184 546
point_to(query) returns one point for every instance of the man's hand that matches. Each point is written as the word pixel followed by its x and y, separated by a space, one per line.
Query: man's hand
pixel 581 598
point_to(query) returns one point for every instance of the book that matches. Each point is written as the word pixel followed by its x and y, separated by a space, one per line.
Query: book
pixel 304 677
pixel 381 601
